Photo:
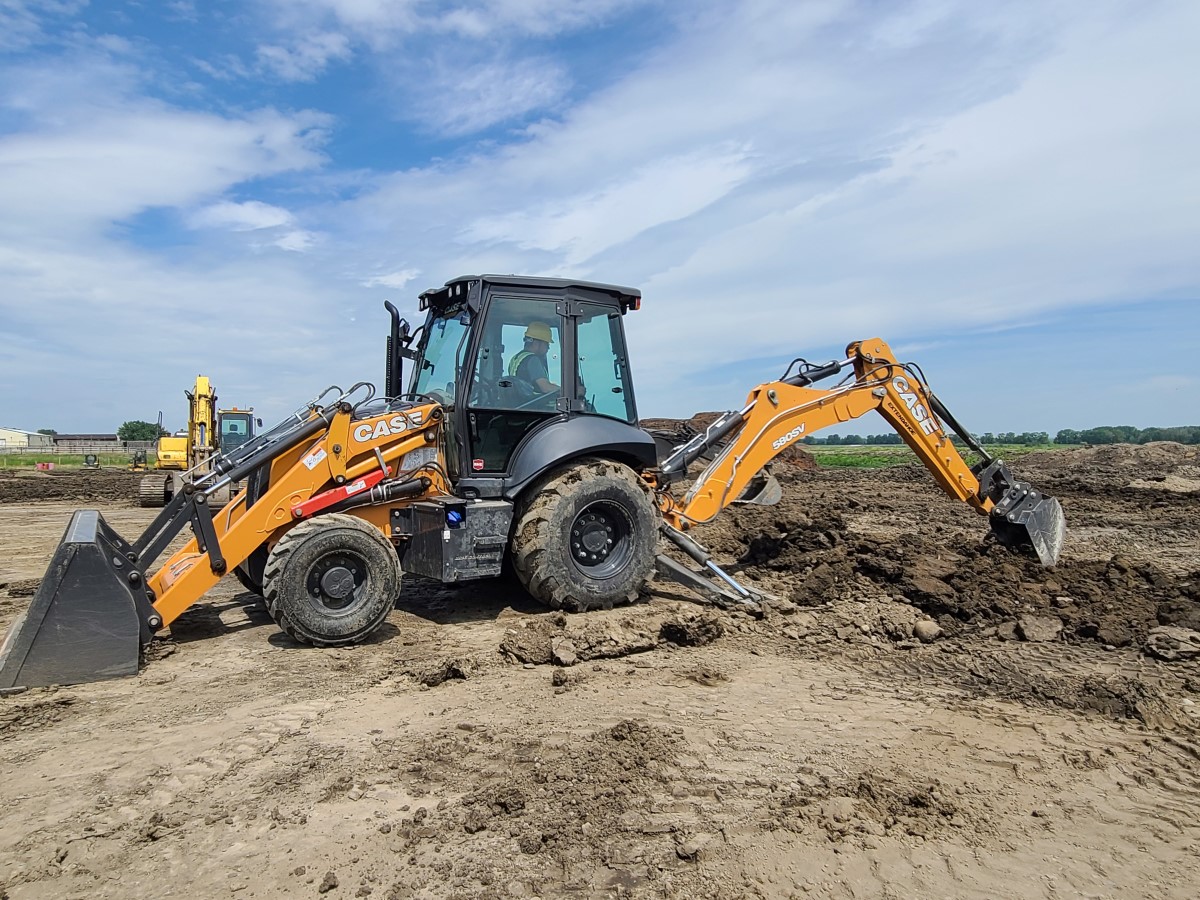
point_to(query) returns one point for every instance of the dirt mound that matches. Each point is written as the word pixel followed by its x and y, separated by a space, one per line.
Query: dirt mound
pixel 875 805
pixel 963 582
pixel 1113 469
pixel 565 641
pixel 1156 457
pixel 86 485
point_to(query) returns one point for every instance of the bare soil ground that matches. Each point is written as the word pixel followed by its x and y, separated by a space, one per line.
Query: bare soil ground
pixel 922 714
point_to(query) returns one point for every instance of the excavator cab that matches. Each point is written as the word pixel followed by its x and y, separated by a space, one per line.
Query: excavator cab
pixel 237 427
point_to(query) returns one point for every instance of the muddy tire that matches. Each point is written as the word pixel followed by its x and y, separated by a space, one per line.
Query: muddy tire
pixel 331 580
pixel 585 536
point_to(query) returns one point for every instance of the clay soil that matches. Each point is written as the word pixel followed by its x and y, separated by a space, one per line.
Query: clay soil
pixel 921 713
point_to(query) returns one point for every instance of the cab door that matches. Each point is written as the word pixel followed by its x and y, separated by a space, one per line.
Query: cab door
pixel 505 401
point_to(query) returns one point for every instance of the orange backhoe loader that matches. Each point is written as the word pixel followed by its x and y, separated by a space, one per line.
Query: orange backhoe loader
pixel 516 437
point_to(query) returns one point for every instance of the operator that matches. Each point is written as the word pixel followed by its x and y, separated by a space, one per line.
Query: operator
pixel 529 366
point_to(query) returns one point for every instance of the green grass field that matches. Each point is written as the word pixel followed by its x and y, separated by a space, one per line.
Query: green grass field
pixel 879 456
pixel 67 460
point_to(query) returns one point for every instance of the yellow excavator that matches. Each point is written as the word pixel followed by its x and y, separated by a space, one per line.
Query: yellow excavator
pixel 516 437
pixel 186 453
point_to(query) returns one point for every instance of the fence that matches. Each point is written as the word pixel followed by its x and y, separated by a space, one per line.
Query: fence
pixel 107 447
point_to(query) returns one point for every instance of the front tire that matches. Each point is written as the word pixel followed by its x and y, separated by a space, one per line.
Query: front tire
pixel 586 537
pixel 331 580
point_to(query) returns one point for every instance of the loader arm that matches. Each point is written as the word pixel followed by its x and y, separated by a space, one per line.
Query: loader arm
pixel 103 597
pixel 780 413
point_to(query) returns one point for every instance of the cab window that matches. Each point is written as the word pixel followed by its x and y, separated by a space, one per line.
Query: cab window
pixel 520 357
pixel 603 378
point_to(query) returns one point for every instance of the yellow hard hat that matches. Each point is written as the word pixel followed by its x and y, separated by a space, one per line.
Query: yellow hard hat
pixel 539 331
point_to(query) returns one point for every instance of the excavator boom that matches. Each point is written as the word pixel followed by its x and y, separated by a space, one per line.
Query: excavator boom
pixel 780 413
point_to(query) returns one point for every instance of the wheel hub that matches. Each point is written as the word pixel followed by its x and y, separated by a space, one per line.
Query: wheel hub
pixel 337 583
pixel 592 538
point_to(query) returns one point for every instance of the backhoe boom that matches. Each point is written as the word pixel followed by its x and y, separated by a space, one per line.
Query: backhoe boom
pixel 780 413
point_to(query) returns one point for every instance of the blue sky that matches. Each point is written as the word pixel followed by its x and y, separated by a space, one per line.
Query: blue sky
pixel 1008 193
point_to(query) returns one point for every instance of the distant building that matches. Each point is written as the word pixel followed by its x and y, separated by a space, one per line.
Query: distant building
pixel 16 439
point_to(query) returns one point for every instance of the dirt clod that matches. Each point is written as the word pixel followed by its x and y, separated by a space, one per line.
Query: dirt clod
pixel 328 883
pixel 692 631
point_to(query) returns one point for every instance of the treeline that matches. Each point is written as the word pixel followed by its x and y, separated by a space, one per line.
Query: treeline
pixel 1006 437
pixel 1106 434
pixel 1127 434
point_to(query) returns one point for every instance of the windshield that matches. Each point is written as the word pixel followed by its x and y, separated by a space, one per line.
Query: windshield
pixel 444 340
pixel 235 430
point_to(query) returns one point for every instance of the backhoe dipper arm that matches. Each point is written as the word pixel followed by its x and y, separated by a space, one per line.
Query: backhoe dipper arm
pixel 779 413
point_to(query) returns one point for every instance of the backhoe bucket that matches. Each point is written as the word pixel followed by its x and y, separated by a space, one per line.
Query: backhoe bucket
pixel 88 619
pixel 763 490
pixel 1028 520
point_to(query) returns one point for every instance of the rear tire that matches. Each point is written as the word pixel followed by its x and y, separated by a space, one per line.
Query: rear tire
pixel 331 580
pixel 586 536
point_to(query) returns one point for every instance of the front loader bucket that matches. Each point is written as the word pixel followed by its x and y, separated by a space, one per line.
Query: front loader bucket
pixel 1028 520
pixel 88 619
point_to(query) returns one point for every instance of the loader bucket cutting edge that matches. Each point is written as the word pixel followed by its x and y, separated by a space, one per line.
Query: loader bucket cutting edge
pixel 85 622
pixel 1032 521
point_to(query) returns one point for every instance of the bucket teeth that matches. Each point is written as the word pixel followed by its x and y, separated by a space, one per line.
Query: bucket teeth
pixel 88 619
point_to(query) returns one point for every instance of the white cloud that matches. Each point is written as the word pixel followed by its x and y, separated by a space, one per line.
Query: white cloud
pixel 579 227
pixel 381 21
pixel 296 241
pixel 397 280
pixel 96 151
pixel 22 22
pixel 307 59
pixel 248 216
pixel 457 98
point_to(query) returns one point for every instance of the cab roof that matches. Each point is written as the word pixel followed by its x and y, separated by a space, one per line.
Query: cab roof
pixel 628 298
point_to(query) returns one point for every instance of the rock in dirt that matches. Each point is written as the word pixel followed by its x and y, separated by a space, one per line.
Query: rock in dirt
pixel 328 883
pixel 801 625
pixel 445 671
pixel 1040 628
pixel 692 631
pixel 562 651
pixel 1173 644
pixel 530 645
pixel 927 631
pixel 692 846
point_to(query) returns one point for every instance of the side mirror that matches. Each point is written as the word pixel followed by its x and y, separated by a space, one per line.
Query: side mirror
pixel 258 422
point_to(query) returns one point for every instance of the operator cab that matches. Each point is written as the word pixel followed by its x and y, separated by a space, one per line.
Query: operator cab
pixel 529 370
pixel 237 427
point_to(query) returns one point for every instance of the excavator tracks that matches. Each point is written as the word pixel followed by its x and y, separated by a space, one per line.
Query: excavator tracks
pixel 152 491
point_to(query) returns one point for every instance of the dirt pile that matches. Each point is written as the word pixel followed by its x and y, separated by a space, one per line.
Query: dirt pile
pixel 875 805
pixel 962 582
pixel 111 486
pixel 1117 468
pixel 567 640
